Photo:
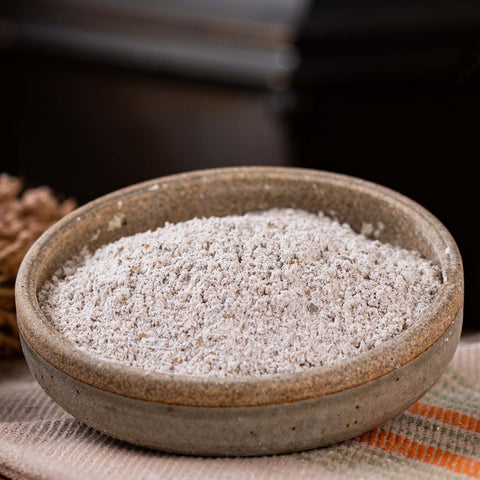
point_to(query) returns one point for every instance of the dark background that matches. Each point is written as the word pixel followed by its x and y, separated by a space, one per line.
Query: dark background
pixel 386 91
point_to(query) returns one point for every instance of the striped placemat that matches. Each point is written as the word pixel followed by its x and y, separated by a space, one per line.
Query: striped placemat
pixel 436 438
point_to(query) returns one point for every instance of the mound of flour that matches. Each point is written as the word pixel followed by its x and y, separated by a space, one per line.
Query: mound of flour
pixel 262 293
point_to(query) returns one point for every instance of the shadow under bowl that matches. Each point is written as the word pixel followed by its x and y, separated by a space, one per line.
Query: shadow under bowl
pixel 241 416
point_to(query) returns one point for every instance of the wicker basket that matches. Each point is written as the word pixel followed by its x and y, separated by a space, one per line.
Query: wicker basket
pixel 24 216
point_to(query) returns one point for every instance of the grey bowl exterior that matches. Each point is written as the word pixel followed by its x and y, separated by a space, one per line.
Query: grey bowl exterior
pixel 248 431
pixel 245 415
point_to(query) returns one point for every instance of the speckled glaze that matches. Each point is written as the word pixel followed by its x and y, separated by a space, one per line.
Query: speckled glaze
pixel 243 415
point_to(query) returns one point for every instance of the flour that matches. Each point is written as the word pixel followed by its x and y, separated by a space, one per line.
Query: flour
pixel 262 293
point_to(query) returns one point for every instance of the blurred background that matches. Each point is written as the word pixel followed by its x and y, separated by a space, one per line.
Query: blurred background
pixel 99 94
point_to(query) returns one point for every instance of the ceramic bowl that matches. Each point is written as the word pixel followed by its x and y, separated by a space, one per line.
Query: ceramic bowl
pixel 242 416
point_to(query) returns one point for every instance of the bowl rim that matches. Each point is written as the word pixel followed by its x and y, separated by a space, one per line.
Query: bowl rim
pixel 175 389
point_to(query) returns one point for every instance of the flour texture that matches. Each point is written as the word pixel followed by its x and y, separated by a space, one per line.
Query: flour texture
pixel 267 292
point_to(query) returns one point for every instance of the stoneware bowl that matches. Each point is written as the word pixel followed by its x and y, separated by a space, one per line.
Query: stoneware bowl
pixel 245 415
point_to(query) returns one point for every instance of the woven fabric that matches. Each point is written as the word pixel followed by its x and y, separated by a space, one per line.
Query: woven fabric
pixel 437 438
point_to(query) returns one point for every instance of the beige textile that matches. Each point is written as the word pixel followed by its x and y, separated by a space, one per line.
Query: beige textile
pixel 437 438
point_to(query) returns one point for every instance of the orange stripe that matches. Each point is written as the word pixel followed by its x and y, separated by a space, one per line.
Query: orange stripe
pixel 411 450
pixel 420 452
pixel 466 466
pixel 389 441
pixel 467 470
pixel 381 438
pixel 429 454
pixel 458 467
pixel 437 456
pixel 443 460
pixel 431 411
pixel 397 443
pixel 373 434
pixel 405 444
pixel 463 421
pixel 449 417
pixel 472 423
pixel 452 462
pixel 415 407
pixel 363 437
pixel 455 418
pixel 476 469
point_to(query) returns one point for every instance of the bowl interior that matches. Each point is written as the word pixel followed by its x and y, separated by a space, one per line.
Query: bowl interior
pixel 387 215
pixel 366 207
